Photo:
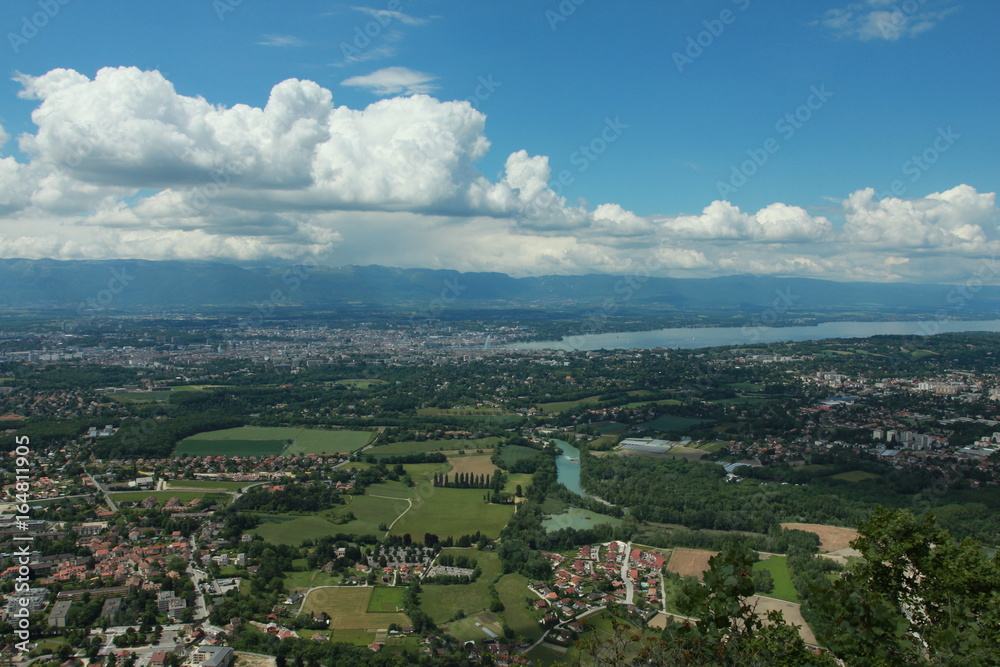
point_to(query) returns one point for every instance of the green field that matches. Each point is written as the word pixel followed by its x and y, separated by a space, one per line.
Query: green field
pixel 783 588
pixel 316 441
pixel 577 518
pixel 414 447
pixel 513 589
pixel 163 496
pixel 348 609
pixel 441 602
pixel 470 411
pixel 519 478
pixel 452 513
pixel 271 441
pixel 370 512
pixel 712 447
pixel 563 406
pixel 547 654
pixel 359 383
pixel 386 600
pixel 204 484
pixel 855 476
pixel 673 423
pixel 511 454
pixel 307 579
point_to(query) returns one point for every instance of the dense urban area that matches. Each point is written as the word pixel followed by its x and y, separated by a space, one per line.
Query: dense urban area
pixel 201 490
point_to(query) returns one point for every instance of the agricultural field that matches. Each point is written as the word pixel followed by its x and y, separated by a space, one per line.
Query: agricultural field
pixel 469 411
pixel 317 441
pixel 271 441
pixel 348 609
pixel 513 589
pixel 303 580
pixel 511 454
pixel 441 602
pixel 690 562
pixel 580 519
pixel 359 383
pixel 163 496
pixel 386 600
pixel 473 628
pixel 831 538
pixel 415 447
pixel 668 423
pixel 475 465
pixel 453 512
pixel 792 613
pixel 205 484
pixel 563 406
pixel 369 513
pixel 778 567
pixel 855 476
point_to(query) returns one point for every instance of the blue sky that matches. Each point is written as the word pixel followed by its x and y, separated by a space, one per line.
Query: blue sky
pixel 685 138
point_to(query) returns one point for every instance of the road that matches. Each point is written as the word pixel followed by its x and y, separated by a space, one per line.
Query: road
pixel 629 586
pixel 107 496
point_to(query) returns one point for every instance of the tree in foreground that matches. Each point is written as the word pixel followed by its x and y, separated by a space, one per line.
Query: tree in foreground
pixel 727 629
pixel 918 597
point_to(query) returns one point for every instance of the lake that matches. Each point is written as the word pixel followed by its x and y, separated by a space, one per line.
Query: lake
pixel 690 338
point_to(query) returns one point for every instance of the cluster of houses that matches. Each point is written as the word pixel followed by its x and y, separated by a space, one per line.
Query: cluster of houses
pixel 581 582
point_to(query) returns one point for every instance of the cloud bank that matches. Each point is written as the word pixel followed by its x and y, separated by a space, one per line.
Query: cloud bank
pixel 121 165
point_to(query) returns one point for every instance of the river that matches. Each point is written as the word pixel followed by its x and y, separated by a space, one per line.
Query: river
pixel 568 467
pixel 690 338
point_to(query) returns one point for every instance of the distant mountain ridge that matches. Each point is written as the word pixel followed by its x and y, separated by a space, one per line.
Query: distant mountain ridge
pixel 128 284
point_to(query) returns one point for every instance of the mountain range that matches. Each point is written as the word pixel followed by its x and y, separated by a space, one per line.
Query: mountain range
pixel 89 286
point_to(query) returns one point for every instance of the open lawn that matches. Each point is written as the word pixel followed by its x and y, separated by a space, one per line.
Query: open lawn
pixel 513 453
pixel 690 562
pixel 163 496
pixel 855 476
pixel 307 579
pixel 205 484
pixel 321 441
pixel 563 406
pixel 359 383
pixel 386 600
pixel 831 538
pixel 474 627
pixel 546 654
pixel 413 447
pixel 369 513
pixel 348 609
pixel 441 602
pixel 778 567
pixel 466 411
pixel 476 465
pixel 791 612
pixel 514 479
pixel 513 589
pixel 577 518
pixel 453 512
pixel 673 423
pixel 269 441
